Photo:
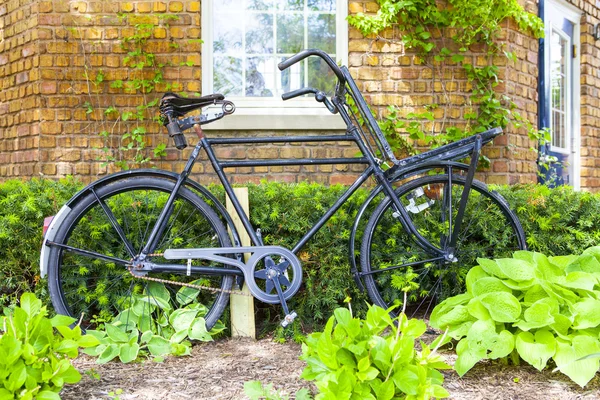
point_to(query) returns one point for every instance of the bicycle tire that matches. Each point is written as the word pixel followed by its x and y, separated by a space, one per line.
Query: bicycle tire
pixel 99 288
pixel 386 244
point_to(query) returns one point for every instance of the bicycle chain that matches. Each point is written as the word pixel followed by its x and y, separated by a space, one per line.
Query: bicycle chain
pixel 190 285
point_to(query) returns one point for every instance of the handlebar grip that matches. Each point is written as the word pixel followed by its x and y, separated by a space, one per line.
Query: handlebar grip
pixel 178 137
pixel 313 52
pixel 297 92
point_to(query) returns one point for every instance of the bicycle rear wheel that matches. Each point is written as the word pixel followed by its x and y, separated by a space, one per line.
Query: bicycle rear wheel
pixel 391 259
pixel 88 274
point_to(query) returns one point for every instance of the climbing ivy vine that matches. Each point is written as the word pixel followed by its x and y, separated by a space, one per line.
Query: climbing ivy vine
pixel 123 125
pixel 442 34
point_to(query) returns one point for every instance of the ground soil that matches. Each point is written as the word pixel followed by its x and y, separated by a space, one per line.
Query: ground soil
pixel 218 370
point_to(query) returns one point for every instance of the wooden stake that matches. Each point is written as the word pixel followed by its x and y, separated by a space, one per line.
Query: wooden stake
pixel 242 307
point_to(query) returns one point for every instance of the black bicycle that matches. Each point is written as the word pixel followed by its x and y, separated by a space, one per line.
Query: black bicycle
pixel 151 239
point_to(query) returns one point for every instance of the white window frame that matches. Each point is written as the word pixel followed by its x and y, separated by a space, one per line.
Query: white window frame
pixel 256 113
pixel 573 14
pixel 568 85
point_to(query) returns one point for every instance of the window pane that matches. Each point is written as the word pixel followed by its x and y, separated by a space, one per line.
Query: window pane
pixel 228 75
pixel 293 5
pixel 260 76
pixel 293 77
pixel 259 33
pixel 321 5
pixel 290 33
pixel 227 33
pixel 230 5
pixel 320 75
pixel 321 32
pixel 559 51
pixel 252 36
pixel 259 4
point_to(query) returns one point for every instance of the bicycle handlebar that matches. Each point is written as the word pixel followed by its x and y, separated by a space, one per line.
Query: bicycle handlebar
pixel 298 92
pixel 320 96
pixel 313 52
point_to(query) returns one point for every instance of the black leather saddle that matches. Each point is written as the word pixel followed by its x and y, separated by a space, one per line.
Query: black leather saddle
pixel 182 105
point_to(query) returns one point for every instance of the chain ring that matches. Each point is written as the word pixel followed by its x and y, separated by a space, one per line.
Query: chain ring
pixel 291 290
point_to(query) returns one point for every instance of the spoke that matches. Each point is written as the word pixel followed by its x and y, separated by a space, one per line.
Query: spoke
pixel 115 224
pixel 87 253
pixel 377 271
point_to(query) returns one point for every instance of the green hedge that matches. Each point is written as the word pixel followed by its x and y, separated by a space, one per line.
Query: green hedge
pixel 556 221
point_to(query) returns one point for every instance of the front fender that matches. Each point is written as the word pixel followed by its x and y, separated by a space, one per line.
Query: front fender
pixel 157 173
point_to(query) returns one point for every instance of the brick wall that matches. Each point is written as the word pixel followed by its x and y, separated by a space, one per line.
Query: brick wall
pixel 52 51
pixel 19 88
pixel 79 40
pixel 590 96
pixel 390 75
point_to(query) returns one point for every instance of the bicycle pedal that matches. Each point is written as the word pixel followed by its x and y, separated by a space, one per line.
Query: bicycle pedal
pixel 288 319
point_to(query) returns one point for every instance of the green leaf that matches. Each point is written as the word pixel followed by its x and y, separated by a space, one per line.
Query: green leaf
pixel 503 307
pixel 88 341
pixel 504 345
pixel 450 311
pixel 367 375
pixel 62 320
pixel 476 273
pixel 468 356
pixel 536 350
pixel 539 315
pixel 587 313
pixel 70 375
pixel 477 310
pixel 489 285
pixel 47 395
pixel 68 347
pixel 303 394
pixel 342 316
pixel 386 391
pixel 407 380
pixel 116 334
pixel 578 280
pixel 110 352
pixel 182 318
pixel 159 346
pixel 198 331
pixel 146 336
pixel 17 377
pixel 516 270
pixel 186 294
pixel 128 352
pixel 30 304
pixel 568 358
pixel 491 267
pixel 254 390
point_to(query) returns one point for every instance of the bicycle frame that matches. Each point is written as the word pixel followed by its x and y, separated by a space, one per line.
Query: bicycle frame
pixel 470 146
pixel 275 274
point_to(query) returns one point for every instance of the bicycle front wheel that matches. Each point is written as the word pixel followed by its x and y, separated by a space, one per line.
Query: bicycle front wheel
pixel 393 262
pixel 88 272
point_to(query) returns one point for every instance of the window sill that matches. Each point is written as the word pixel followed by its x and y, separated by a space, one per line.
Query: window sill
pixel 279 119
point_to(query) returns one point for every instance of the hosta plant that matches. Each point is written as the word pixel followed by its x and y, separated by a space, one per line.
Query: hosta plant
pixel 35 351
pixel 374 358
pixel 530 306
pixel 153 325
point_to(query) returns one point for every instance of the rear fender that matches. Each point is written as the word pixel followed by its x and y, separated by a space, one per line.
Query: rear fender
pixel 192 185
